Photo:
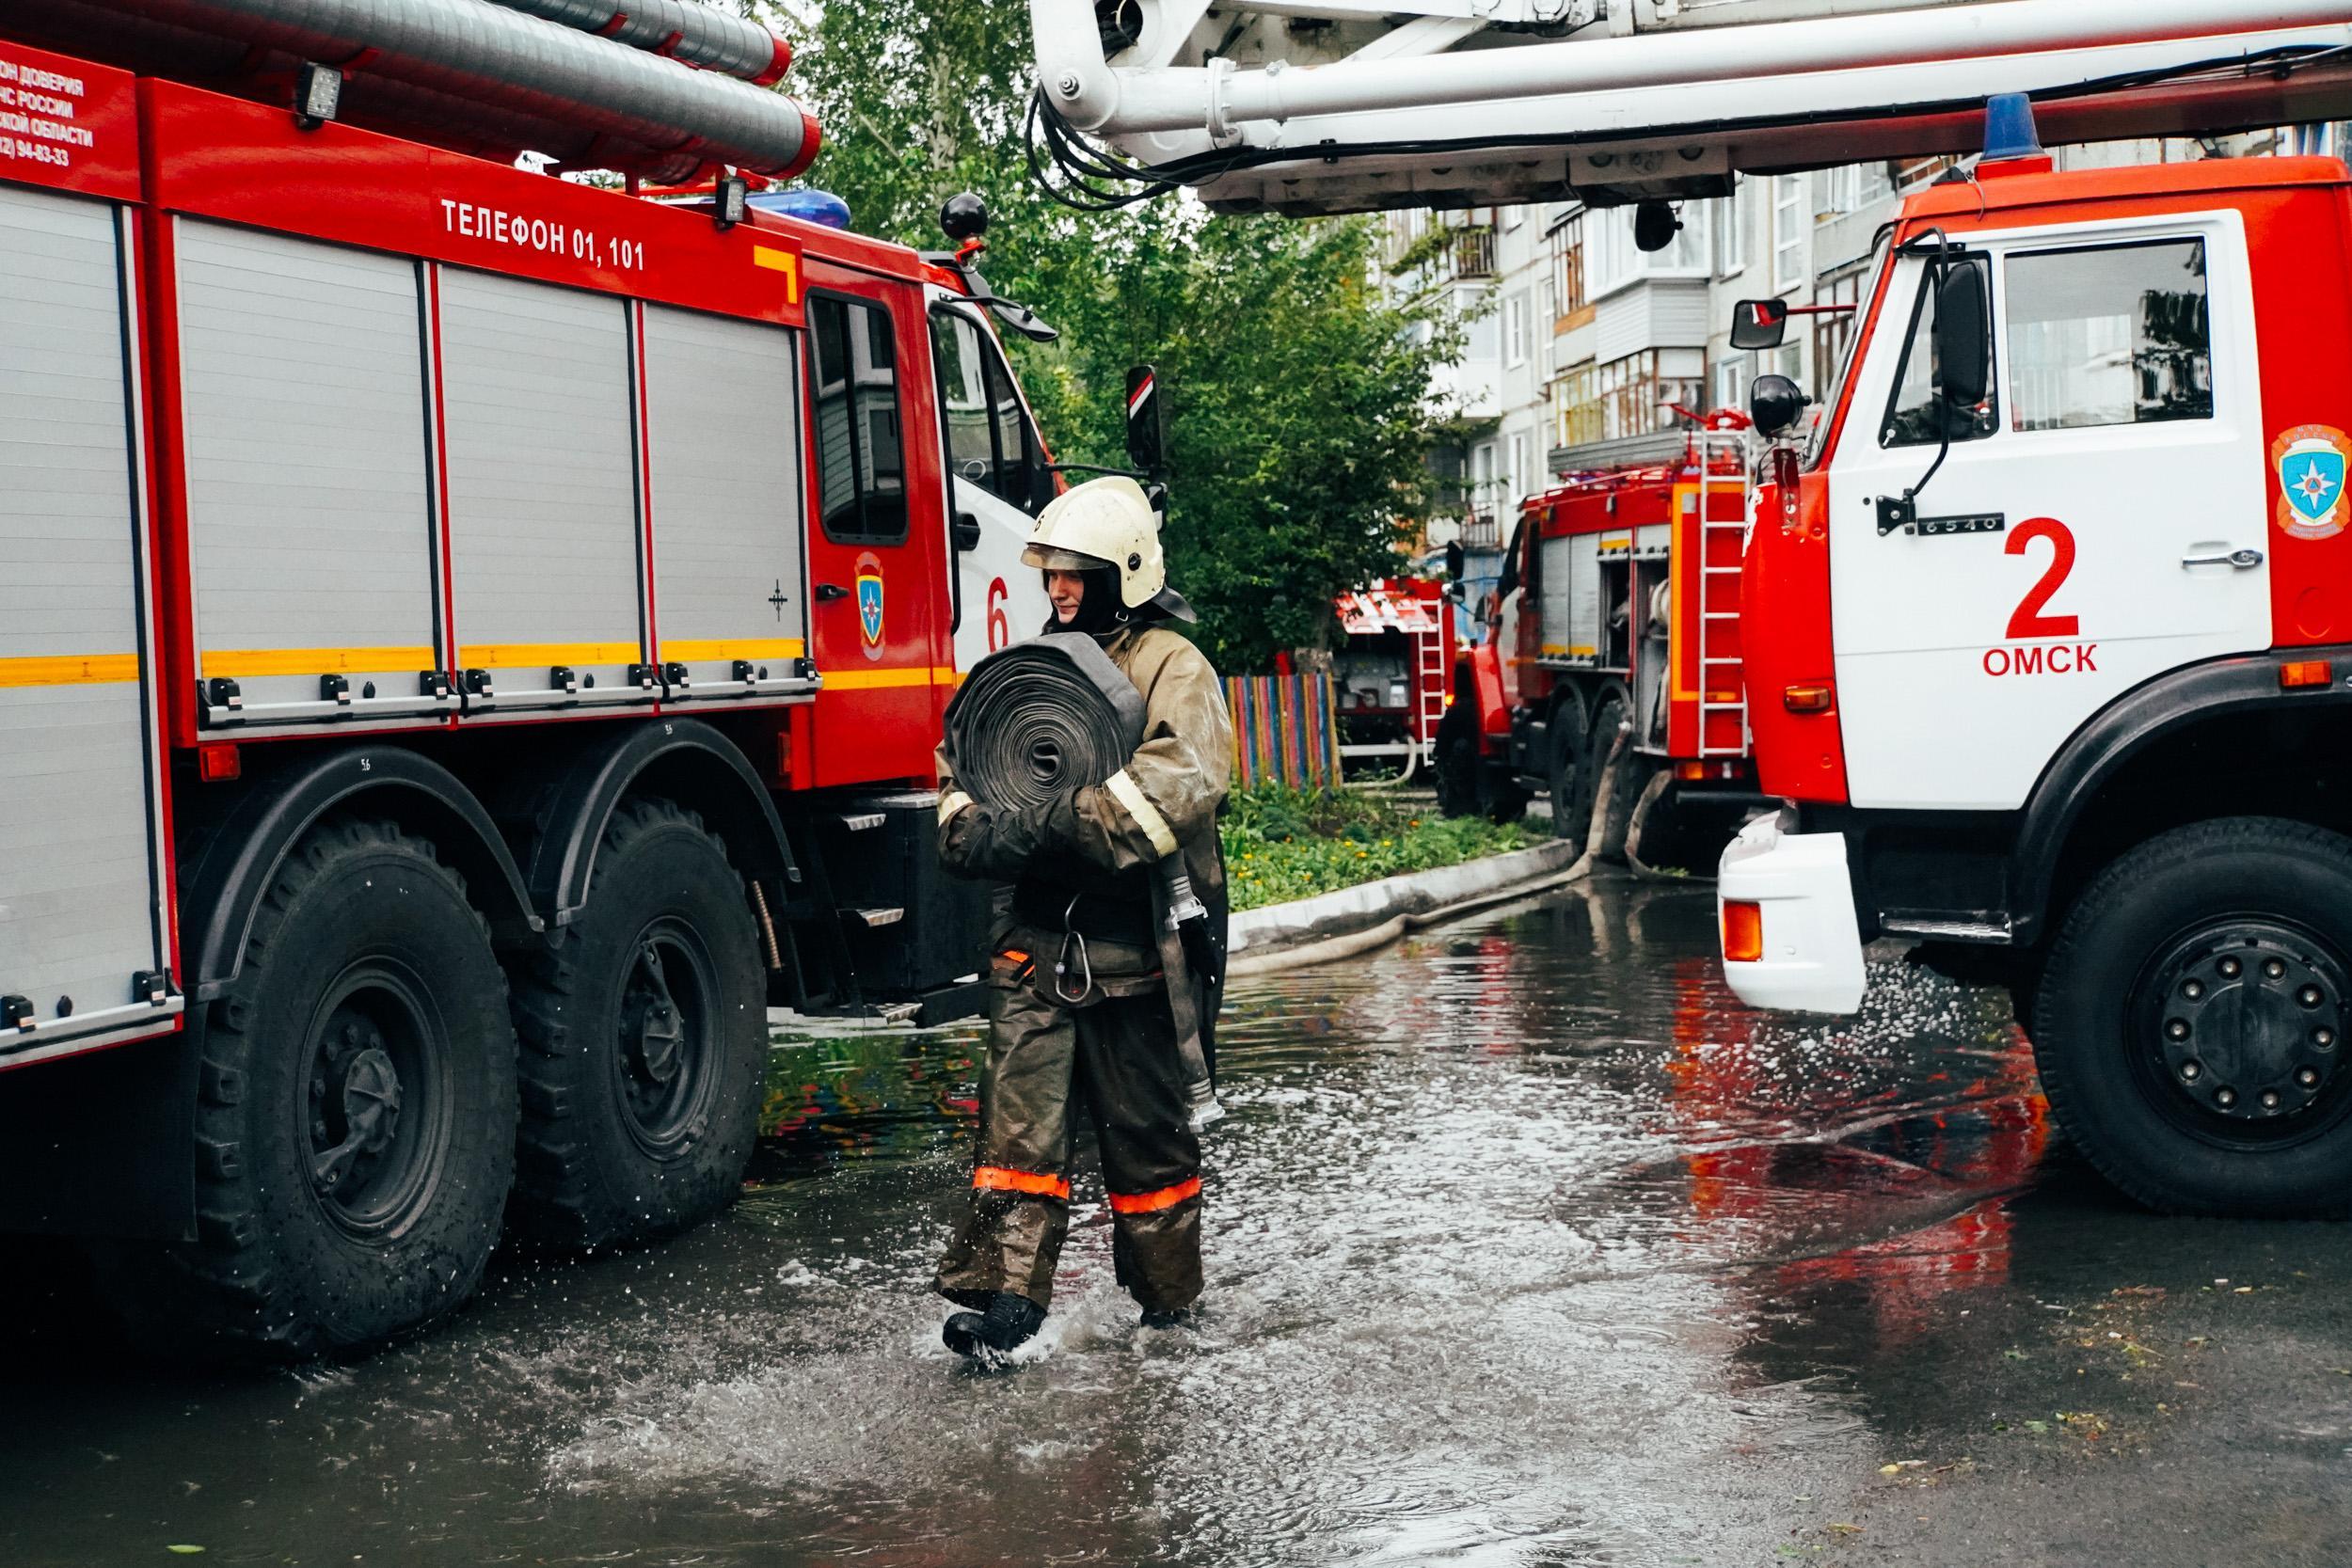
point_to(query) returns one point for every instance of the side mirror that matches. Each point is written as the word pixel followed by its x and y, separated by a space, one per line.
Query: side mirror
pixel 1775 402
pixel 1964 356
pixel 1759 324
pixel 1147 420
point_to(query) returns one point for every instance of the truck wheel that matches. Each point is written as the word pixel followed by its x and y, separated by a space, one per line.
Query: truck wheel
pixel 644 1033
pixel 1457 760
pixel 1630 772
pixel 1571 808
pixel 355 1115
pixel 2189 1023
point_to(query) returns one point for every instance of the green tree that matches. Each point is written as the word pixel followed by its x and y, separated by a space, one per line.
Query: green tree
pixel 1299 398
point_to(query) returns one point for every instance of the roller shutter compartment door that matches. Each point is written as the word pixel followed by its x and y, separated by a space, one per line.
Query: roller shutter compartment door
pixel 545 531
pixel 723 426
pixel 80 908
pixel 310 507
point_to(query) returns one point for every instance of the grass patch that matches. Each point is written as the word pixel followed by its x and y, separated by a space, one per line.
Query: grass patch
pixel 1284 844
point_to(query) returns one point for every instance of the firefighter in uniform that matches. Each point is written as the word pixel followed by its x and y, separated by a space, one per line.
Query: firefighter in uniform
pixel 1079 1007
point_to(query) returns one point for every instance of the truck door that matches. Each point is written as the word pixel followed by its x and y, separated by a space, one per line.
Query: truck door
pixel 2097 522
pixel 996 483
pixel 876 566
pixel 85 942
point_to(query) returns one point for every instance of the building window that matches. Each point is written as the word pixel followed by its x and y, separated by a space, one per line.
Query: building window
pixel 1792 224
pixel 1833 333
pixel 1522 472
pixel 1515 329
pixel 1731 234
pixel 1568 265
pixel 1633 396
pixel 1730 390
pixel 1612 261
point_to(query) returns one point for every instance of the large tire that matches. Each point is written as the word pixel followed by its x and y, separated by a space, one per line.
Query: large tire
pixel 2189 1020
pixel 355 1115
pixel 645 1033
pixel 1571 807
pixel 1456 749
pixel 1630 772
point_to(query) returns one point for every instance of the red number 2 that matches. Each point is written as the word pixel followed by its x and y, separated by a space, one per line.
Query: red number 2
pixel 2028 622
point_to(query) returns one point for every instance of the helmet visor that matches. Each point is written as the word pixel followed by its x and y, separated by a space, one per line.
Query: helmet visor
pixel 1052 559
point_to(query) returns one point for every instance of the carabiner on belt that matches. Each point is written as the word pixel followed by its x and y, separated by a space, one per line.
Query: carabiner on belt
pixel 1071 934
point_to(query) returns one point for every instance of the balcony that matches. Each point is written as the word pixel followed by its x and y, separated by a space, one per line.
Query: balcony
pixel 1474 252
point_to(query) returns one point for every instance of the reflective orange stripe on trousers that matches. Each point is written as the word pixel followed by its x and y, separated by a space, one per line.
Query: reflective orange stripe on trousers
pixel 1151 1203
pixel 996 1178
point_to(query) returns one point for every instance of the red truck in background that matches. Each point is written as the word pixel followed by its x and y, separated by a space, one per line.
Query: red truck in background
pixel 1618 609
pixel 469 643
pixel 1393 675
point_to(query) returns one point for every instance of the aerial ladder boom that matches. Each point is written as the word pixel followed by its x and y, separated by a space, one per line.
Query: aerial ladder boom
pixel 1312 106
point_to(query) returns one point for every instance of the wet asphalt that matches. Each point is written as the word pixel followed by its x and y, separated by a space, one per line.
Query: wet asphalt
pixel 1528 1247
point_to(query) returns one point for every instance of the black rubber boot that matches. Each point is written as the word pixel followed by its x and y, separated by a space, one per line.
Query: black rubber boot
pixel 1169 1317
pixel 1010 1322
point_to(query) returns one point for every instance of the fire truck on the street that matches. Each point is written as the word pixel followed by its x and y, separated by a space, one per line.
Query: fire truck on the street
pixel 1617 612
pixel 1391 672
pixel 470 641
pixel 2046 608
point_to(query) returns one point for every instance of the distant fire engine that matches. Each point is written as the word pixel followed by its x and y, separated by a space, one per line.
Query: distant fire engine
pixel 1618 609
pixel 1393 672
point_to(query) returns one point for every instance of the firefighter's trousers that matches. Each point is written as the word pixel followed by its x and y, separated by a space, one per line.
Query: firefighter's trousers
pixel 1116 1054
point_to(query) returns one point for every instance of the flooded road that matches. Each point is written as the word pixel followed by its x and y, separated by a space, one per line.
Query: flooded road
pixel 1527 1246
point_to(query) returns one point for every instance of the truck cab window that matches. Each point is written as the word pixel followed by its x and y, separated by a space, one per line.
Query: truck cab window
pixel 1915 417
pixel 2114 335
pixel 987 432
pixel 853 388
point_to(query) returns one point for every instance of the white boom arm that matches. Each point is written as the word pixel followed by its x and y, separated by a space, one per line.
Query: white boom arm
pixel 1307 106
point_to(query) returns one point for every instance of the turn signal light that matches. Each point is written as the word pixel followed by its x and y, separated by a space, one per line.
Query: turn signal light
pixel 1805 699
pixel 2305 671
pixel 1743 932
pixel 218 763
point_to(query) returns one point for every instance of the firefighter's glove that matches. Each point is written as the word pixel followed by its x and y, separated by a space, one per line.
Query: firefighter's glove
pixel 995 844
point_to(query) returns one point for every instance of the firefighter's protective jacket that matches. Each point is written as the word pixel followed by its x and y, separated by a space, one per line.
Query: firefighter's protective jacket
pixel 1099 843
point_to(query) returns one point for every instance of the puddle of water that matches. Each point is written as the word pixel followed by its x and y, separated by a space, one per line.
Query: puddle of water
pixel 1527 1246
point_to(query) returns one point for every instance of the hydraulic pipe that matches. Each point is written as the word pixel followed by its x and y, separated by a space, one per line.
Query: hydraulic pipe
pixel 465 74
pixel 683 30
pixel 1091 94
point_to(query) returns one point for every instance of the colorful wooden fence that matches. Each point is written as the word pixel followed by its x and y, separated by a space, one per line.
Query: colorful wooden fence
pixel 1284 730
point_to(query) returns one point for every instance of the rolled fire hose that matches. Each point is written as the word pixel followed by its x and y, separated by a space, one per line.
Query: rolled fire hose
pixel 1039 719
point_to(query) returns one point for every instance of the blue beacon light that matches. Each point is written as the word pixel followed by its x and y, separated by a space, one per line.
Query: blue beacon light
pixel 809 206
pixel 2008 128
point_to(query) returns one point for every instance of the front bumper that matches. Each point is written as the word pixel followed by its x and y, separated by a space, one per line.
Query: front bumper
pixel 1811 953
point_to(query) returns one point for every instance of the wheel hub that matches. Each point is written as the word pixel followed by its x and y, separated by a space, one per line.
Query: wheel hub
pixel 2248 1022
pixel 655 1031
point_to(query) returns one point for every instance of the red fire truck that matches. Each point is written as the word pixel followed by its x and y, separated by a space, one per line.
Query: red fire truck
pixel 469 643
pixel 1618 609
pixel 1392 671
pixel 2048 647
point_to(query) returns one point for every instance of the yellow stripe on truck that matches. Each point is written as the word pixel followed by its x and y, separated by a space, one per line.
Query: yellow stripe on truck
pixel 69 669
pixel 878 680
pixel 249 663
pixel 514 655
pixel 691 652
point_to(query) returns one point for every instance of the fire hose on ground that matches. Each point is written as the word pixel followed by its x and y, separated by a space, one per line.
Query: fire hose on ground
pixel 1041 718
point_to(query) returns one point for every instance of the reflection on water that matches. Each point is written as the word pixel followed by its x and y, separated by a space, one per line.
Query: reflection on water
pixel 1507 1228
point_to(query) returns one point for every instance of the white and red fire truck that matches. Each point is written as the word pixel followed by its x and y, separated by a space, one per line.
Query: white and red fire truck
pixel 2047 616
pixel 470 642
pixel 1618 609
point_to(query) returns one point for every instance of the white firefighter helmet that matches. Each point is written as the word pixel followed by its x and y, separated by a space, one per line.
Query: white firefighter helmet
pixel 1107 522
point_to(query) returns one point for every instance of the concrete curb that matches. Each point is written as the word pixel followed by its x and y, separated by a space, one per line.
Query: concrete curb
pixel 1265 933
